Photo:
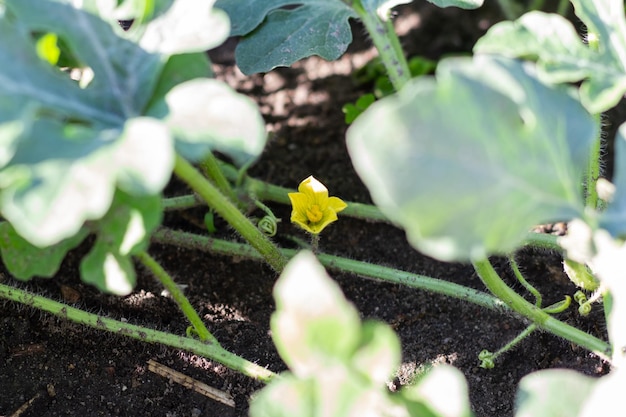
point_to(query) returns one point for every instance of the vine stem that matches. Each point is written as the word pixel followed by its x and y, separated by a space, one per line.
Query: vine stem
pixel 212 170
pixel 205 349
pixel 505 298
pixel 183 303
pixel 593 171
pixel 337 263
pixel 520 277
pixel 225 208
pixel 385 39
pixel 543 320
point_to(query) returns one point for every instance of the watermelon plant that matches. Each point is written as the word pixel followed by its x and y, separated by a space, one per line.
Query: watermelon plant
pixel 95 120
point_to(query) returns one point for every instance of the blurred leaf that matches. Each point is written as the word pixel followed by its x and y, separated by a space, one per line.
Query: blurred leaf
pixel 25 261
pixel 493 153
pixel 122 232
pixel 62 176
pixel 540 394
pixel 16 117
pixel 313 326
pixel 442 392
pixel 352 111
pixel 381 7
pixel 560 53
pixel 124 74
pixel 206 114
pixel 462 4
pixel 68 146
pixel 338 366
pixel 178 69
pixel 186 26
pixel 379 353
pixel 288 396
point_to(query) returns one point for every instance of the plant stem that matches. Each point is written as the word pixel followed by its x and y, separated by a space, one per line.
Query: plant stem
pixel 377 272
pixel 204 349
pixel 593 171
pixel 383 34
pixel 526 284
pixel 213 171
pixel 182 202
pixel 491 357
pixel 178 296
pixel 517 303
pixel 268 192
pixel 542 241
pixel 230 213
pixel 505 297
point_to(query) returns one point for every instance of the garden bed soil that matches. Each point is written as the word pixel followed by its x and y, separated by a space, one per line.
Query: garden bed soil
pixel 50 367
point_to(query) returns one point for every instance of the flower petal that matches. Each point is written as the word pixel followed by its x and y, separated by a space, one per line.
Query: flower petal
pixel 300 203
pixel 315 190
pixel 329 217
pixel 336 204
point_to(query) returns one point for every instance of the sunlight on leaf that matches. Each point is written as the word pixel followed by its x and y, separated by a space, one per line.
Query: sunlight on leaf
pixel 122 232
pixel 540 394
pixel 469 164
pixel 443 391
pixel 313 325
pixel 187 26
pixel 207 114
pixel 561 54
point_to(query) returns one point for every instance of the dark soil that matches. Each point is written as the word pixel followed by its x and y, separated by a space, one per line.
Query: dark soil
pixel 51 367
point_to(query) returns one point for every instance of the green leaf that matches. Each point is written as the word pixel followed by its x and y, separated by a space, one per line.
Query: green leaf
pixel 121 233
pixel 282 37
pixel 614 217
pixel 560 53
pixel 275 36
pixel 463 4
pixel 379 353
pixel 288 396
pixel 333 393
pixel 352 111
pixel 25 261
pixel 382 7
pixel 442 392
pixel 69 145
pixel 541 394
pixel 468 164
pixel 16 116
pixel 124 74
pixel 186 26
pixel 62 176
pixel 178 69
pixel 207 114
pixel 313 326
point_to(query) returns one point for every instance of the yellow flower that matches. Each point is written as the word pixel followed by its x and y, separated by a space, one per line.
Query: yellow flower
pixel 313 210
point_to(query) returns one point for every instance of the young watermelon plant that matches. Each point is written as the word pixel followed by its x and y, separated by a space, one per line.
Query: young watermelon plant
pixel 94 120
